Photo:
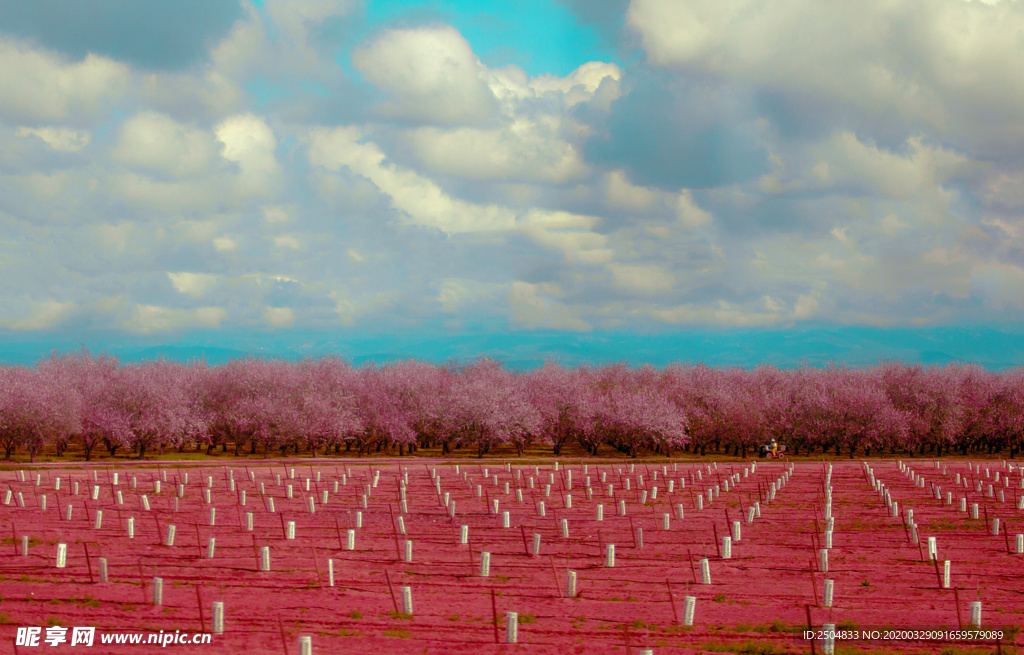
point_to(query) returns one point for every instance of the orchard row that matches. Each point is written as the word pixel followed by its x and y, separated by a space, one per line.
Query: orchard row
pixel 84 402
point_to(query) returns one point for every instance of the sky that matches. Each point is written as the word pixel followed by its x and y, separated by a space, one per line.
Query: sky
pixel 728 181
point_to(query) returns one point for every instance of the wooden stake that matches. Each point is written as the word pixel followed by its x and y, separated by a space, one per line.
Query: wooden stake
pixel 671 599
pixel 394 530
pixel 1006 534
pixel 88 562
pixel 199 602
pixel 494 615
pixel 632 531
pixel 554 574
pixel 142 581
pixel 337 527
pixel 391 591
pixel 199 544
pixel 814 583
pixel 316 564
pixel 938 575
pixel 284 642
pixel 526 549
pixel 692 570
pixel 718 548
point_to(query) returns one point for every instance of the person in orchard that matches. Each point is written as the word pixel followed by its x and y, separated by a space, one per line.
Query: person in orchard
pixel 775 448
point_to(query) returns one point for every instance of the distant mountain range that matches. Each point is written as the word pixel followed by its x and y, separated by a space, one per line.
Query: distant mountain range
pixel 992 348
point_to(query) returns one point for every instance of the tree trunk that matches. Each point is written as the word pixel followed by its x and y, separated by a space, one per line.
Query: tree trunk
pixel 142 450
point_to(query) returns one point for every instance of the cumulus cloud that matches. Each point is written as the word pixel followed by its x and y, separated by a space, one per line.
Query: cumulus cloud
pixel 279 316
pixel 59 138
pixel 160 36
pixel 523 150
pixel 40 316
pixel 643 279
pixel 248 141
pixel 193 284
pixel 157 143
pixel 538 306
pixel 754 168
pixel 947 64
pixel 421 199
pixel 429 73
pixel 40 86
pixel 147 319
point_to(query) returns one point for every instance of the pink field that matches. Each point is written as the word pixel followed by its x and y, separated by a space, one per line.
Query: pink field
pixel 882 580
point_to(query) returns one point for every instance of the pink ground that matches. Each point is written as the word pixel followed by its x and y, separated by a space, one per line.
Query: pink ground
pixel 758 595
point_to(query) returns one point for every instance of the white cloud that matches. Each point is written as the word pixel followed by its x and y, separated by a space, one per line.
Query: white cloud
pixel 275 215
pixel 115 237
pixel 621 193
pixel 40 86
pixel 248 141
pixel 419 198
pixel 295 17
pixel 156 142
pixel 356 256
pixel 225 244
pixel 289 241
pixel 63 139
pixel 580 85
pixel 950 63
pixel 645 279
pixel 806 306
pixel 848 161
pixel 999 285
pixel 183 93
pixel 720 313
pixel 523 149
pixel 690 214
pixel 147 319
pixel 193 284
pixel 430 73
pixel 455 293
pixel 198 194
pixel 41 315
pixel 279 316
pixel 537 306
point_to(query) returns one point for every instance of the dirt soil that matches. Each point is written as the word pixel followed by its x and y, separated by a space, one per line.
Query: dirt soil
pixel 758 600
